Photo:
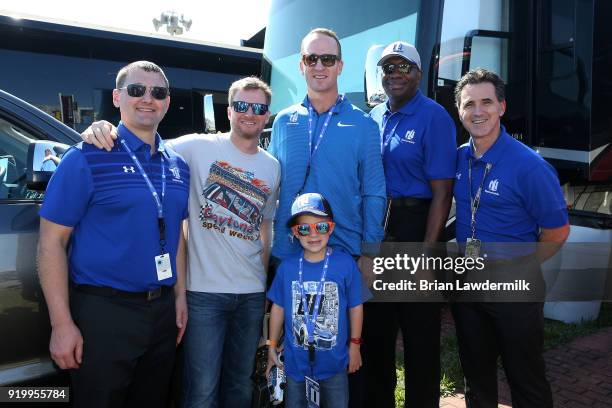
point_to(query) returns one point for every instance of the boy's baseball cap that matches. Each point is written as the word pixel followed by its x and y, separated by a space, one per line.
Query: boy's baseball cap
pixel 401 49
pixel 309 203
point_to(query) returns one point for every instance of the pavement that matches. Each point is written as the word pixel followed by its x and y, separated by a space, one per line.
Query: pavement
pixel 580 372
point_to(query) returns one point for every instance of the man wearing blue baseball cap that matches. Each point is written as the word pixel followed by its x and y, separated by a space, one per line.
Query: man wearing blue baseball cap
pixel 418 142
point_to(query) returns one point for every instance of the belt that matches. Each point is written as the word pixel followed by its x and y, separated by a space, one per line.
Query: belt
pixel 112 292
pixel 409 201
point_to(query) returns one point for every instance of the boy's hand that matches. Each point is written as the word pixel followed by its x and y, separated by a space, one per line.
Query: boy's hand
pixel 273 360
pixel 354 358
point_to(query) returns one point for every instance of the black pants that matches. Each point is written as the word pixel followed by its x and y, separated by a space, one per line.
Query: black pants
pixel 513 331
pixel 420 326
pixel 128 351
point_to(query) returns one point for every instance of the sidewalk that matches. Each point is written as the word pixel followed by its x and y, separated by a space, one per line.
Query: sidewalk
pixel 580 372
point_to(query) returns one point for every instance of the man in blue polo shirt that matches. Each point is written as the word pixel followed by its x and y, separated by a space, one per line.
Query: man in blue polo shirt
pixel 110 234
pixel 418 139
pixel 327 145
pixel 505 193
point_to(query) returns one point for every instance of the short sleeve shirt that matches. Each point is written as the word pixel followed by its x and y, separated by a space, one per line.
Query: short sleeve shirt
pixel 418 145
pixel 342 291
pixel 104 197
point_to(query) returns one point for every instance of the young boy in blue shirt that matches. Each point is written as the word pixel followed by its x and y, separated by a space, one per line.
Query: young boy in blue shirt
pixel 317 294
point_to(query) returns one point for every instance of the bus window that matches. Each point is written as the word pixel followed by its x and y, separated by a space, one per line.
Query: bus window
pixel 460 18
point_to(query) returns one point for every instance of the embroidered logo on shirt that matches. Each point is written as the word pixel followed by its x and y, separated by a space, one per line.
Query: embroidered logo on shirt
pixel 458 176
pixel 493 186
pixel 129 169
pixel 176 173
pixel 409 136
pixel 293 118
pixel 340 124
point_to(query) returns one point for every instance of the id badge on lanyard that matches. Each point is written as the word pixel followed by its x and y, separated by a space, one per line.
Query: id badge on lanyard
pixel 313 392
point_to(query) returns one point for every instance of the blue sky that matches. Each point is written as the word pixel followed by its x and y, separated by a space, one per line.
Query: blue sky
pixel 218 21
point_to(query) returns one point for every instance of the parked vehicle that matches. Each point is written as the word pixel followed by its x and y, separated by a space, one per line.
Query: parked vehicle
pixel 24 320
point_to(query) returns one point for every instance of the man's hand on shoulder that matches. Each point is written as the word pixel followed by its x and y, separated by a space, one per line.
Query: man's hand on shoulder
pixel 101 134
pixel 66 346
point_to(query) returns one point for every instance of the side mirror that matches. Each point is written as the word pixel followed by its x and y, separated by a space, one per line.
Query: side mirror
pixel 374 92
pixel 43 158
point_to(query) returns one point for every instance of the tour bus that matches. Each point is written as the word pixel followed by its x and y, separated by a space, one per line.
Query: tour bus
pixel 554 55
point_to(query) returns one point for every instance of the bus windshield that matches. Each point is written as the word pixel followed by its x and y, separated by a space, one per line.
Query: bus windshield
pixel 360 25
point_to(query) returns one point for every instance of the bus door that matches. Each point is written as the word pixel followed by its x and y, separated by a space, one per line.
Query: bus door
pixel 492 34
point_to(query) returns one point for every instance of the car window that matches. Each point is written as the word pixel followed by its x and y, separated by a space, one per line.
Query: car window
pixel 14 143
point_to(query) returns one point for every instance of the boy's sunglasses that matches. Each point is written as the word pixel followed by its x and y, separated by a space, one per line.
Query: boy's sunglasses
pixel 405 69
pixel 306 229
pixel 138 90
pixel 242 107
pixel 328 60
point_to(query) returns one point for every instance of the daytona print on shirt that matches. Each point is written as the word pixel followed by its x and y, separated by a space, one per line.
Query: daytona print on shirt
pixel 233 201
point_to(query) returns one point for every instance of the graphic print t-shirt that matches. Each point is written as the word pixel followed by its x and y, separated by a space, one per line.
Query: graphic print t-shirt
pixel 342 291
pixel 231 193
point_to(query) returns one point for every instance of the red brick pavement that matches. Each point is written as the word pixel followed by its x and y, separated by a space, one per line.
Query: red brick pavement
pixel 580 372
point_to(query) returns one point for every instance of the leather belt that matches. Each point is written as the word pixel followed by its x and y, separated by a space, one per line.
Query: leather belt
pixel 112 292
pixel 408 201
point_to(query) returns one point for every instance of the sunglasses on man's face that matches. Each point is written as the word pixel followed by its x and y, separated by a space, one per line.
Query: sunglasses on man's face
pixel 242 107
pixel 405 69
pixel 138 91
pixel 304 230
pixel 328 60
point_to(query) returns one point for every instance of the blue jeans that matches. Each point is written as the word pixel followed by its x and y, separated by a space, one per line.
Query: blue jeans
pixel 220 343
pixel 334 392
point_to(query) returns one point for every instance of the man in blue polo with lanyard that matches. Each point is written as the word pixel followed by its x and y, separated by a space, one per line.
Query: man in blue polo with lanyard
pixel 110 236
pixel 418 140
pixel 505 193
pixel 328 146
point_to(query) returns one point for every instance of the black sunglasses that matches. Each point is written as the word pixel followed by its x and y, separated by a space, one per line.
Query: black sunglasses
pixel 138 91
pixel 242 107
pixel 389 69
pixel 328 60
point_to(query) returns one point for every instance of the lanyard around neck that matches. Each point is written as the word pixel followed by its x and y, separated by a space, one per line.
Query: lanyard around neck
pixel 475 201
pixel 311 320
pixel 161 225
pixel 312 150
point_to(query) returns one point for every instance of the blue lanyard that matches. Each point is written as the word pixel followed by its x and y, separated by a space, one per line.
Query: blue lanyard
pixel 312 151
pixel 475 201
pixel 323 129
pixel 386 138
pixel 158 202
pixel 311 321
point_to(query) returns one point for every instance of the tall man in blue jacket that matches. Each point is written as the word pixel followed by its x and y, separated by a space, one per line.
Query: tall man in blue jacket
pixel 327 145
pixel 505 193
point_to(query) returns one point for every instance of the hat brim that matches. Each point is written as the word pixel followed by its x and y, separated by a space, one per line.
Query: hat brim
pixel 386 57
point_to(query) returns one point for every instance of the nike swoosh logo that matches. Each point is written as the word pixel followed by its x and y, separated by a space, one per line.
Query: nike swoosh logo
pixel 340 124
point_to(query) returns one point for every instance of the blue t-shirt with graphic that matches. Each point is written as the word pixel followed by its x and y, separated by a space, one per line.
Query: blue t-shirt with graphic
pixel 341 291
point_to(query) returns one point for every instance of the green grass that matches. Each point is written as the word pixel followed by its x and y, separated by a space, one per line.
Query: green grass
pixel 555 334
